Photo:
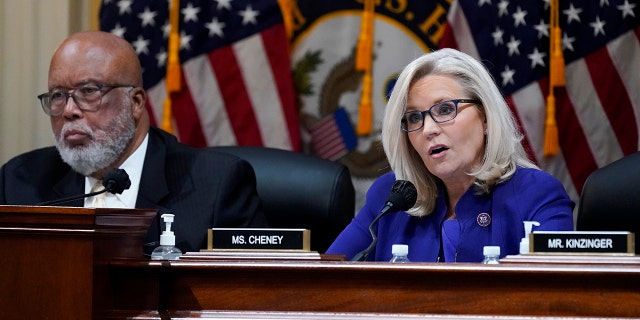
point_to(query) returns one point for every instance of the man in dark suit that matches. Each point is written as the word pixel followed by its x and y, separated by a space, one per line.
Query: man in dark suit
pixel 96 103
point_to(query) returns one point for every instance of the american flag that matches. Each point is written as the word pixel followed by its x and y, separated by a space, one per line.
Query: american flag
pixel 236 85
pixel 598 111
pixel 333 136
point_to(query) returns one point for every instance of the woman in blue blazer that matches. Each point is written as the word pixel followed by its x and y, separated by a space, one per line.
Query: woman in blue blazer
pixel 448 130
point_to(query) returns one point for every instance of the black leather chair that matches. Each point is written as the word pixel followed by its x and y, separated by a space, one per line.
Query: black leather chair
pixel 610 199
pixel 301 191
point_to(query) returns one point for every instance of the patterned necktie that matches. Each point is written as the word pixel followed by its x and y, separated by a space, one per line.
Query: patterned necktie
pixel 98 201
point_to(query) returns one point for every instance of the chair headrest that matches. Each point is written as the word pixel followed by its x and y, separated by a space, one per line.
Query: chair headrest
pixel 301 191
pixel 610 200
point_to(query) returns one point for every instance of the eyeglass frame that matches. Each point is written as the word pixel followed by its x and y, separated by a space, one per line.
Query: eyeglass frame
pixel 71 94
pixel 428 111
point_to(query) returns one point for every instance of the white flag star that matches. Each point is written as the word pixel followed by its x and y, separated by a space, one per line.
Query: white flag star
pixel 190 13
pixel 185 41
pixel 497 36
pixel 507 76
pixel 598 26
pixel 224 4
pixel 166 29
pixel 567 42
pixel 118 30
pixel 502 8
pixel 161 57
pixel 513 45
pixel 542 28
pixel 125 6
pixel 215 27
pixel 141 45
pixel 627 9
pixel 572 13
pixel 536 58
pixel 148 17
pixel 518 17
pixel 249 15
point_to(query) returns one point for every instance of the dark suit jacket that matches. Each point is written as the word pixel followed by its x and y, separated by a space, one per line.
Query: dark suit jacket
pixel 202 187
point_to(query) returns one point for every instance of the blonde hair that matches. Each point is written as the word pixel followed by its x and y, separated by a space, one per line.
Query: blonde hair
pixel 503 148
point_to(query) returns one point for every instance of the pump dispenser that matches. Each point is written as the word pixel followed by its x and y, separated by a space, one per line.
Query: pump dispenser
pixel 167 249
pixel 524 243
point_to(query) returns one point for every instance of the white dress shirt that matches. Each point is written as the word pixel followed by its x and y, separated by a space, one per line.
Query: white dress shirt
pixel 133 167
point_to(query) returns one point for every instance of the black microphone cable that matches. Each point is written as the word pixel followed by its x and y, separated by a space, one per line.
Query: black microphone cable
pixel 115 181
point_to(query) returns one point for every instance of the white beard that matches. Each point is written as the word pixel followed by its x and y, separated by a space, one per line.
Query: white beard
pixel 105 146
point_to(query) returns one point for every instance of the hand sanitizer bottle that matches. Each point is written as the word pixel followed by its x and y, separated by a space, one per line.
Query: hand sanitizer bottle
pixel 167 249
pixel 400 252
pixel 524 242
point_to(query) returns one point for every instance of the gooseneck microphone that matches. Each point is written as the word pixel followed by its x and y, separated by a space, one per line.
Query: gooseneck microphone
pixel 115 181
pixel 403 196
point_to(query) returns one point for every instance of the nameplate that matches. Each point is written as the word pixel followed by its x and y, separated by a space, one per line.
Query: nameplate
pixel 582 242
pixel 259 239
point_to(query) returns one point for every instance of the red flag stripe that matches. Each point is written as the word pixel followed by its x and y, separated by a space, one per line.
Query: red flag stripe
pixel 235 97
pixel 155 98
pixel 330 138
pixel 212 113
pixel 573 141
pixel 261 90
pixel 152 113
pixel 276 47
pixel 628 45
pixel 323 125
pixel 185 113
pixel 614 99
pixel 459 37
pixel 525 139
pixel 590 117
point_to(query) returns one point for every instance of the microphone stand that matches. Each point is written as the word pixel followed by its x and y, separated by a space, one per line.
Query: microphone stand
pixel 69 199
pixel 362 255
pixel 403 196
pixel 116 181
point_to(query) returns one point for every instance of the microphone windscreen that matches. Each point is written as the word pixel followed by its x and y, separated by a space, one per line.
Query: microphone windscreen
pixel 403 195
pixel 116 181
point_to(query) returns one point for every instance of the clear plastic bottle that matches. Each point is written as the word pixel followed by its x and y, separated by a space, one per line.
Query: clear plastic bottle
pixel 166 253
pixel 491 255
pixel 167 249
pixel 400 252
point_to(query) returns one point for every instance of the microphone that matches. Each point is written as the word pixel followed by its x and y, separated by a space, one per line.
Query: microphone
pixel 115 181
pixel 403 196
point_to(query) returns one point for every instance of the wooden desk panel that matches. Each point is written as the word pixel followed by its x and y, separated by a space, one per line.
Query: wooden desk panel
pixel 54 259
pixel 548 290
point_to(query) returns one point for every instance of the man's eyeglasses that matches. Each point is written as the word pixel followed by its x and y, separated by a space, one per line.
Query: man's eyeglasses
pixel 87 98
pixel 440 112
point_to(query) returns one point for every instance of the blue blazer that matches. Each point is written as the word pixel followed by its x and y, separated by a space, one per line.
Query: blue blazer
pixel 495 219
pixel 202 187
